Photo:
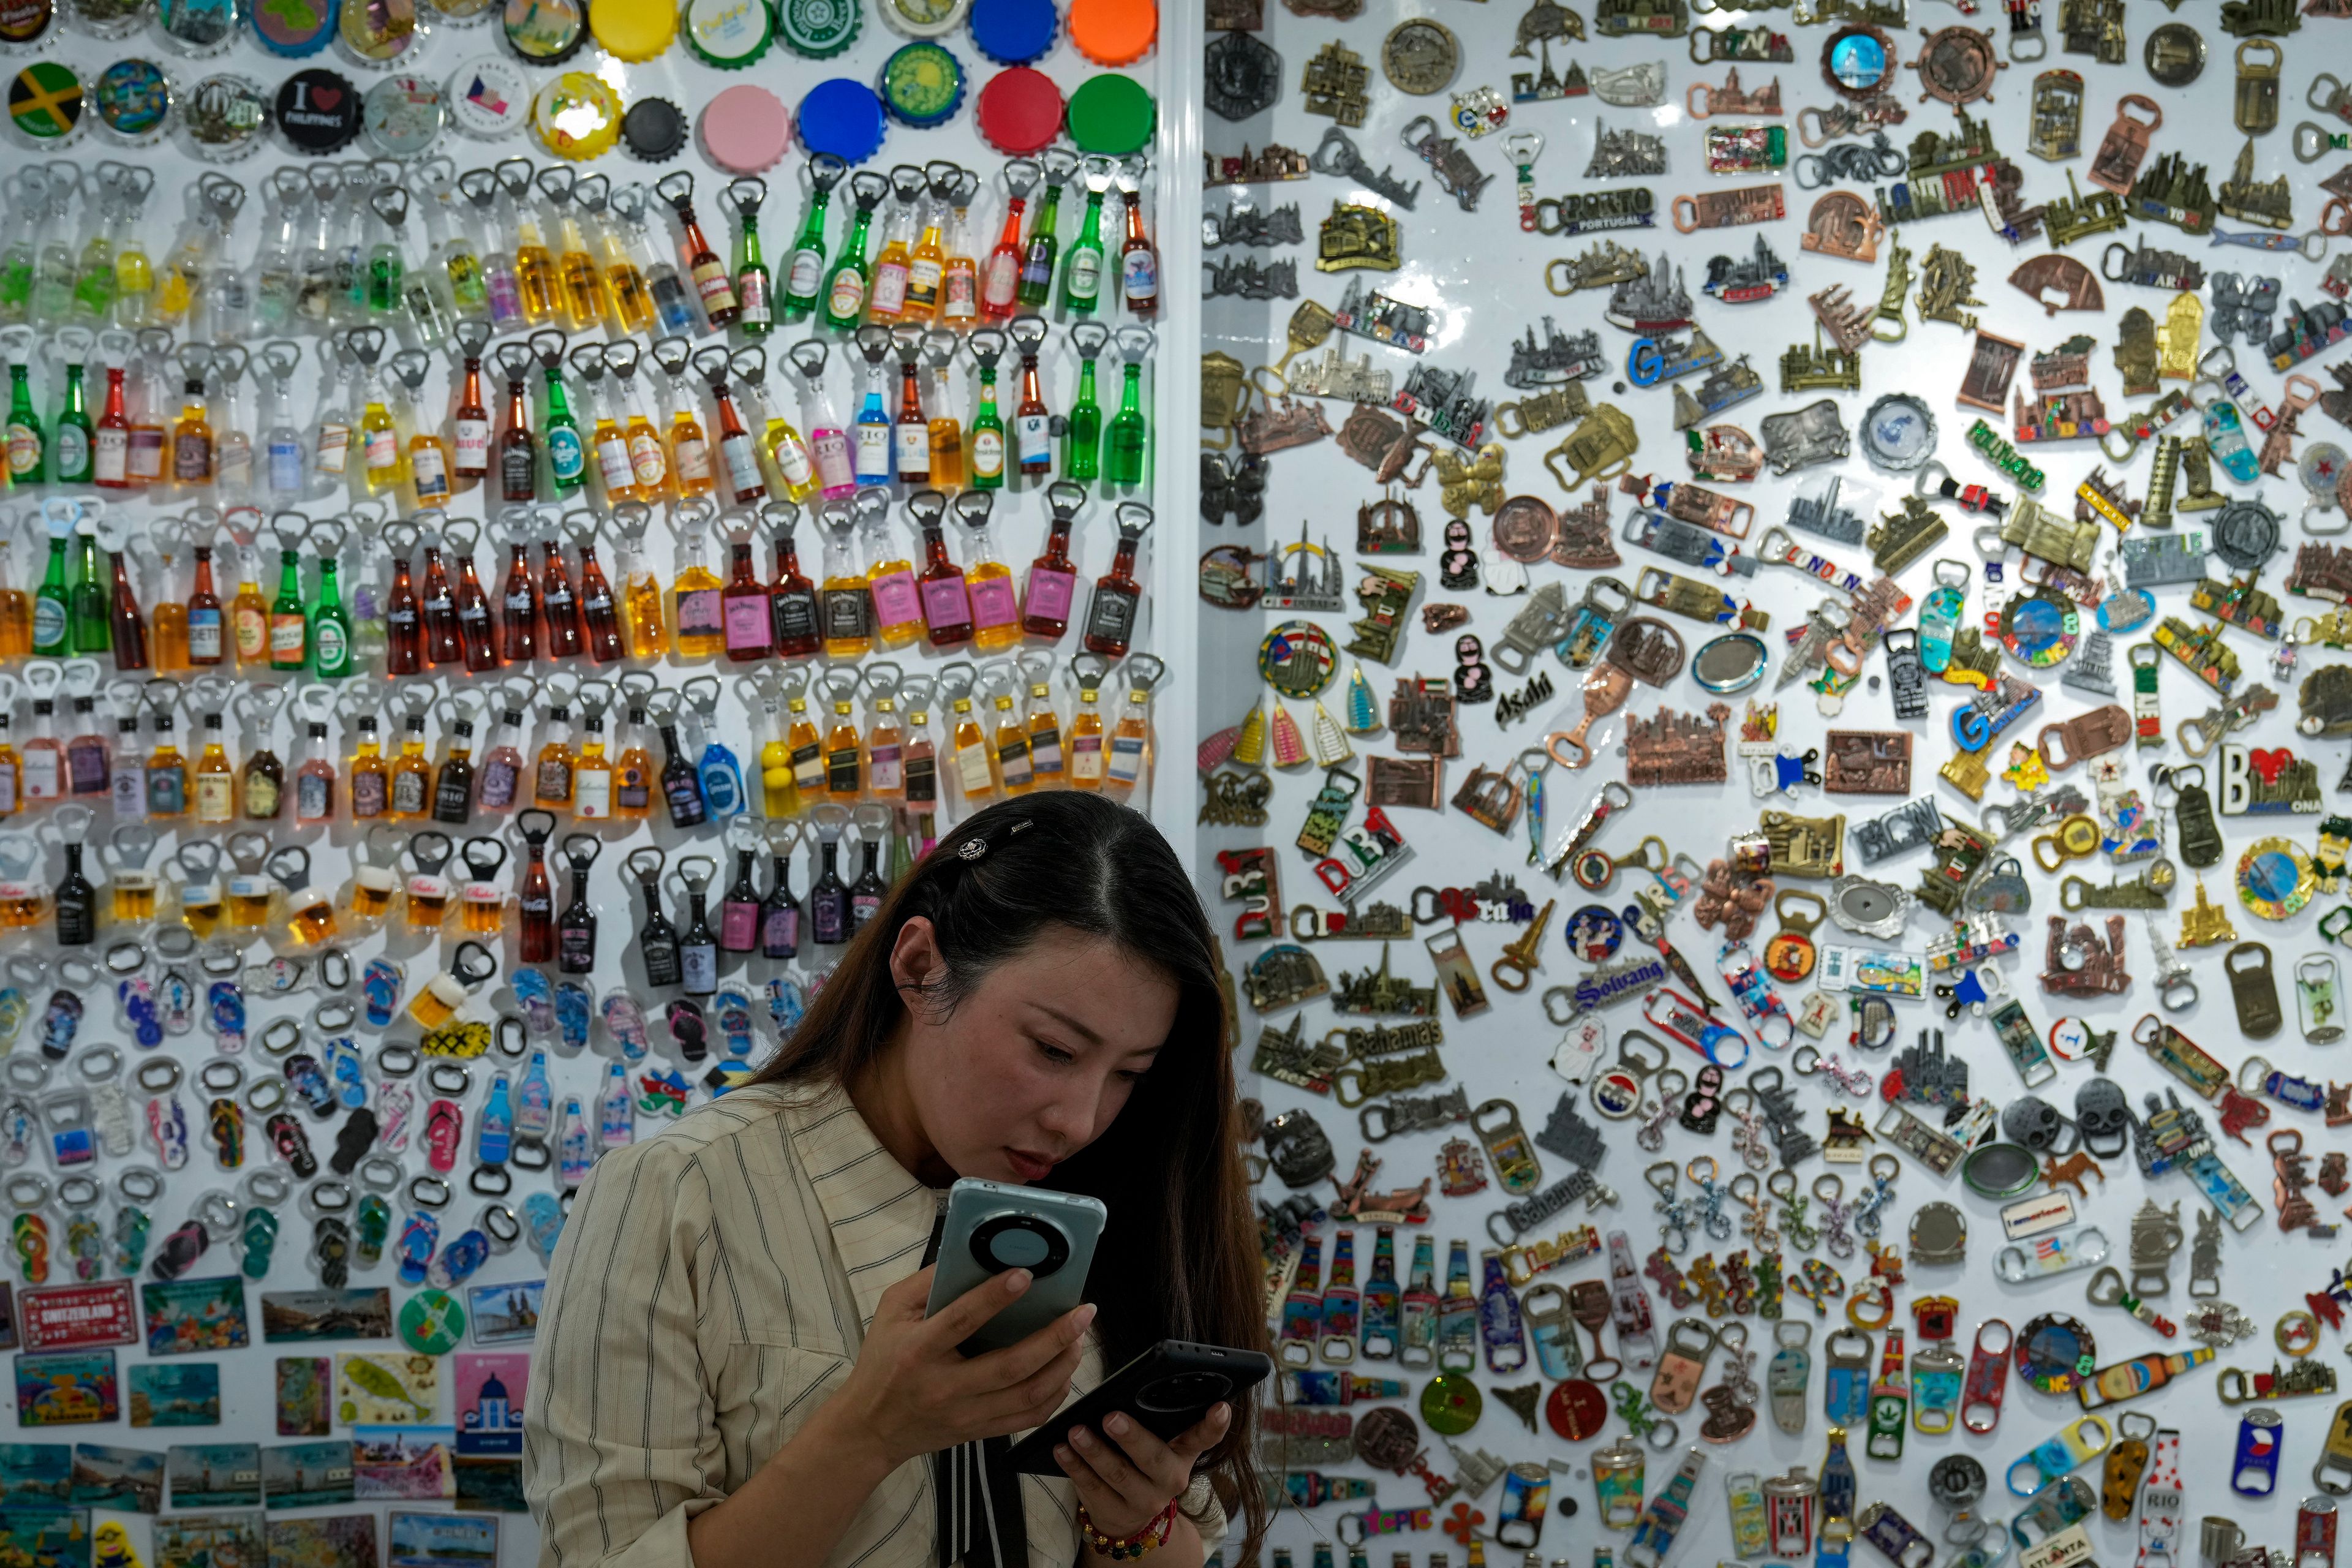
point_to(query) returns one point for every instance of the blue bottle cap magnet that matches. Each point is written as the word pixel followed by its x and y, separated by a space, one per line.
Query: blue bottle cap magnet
pixel 843 118
pixel 133 97
pixel 1015 32
pixel 294 29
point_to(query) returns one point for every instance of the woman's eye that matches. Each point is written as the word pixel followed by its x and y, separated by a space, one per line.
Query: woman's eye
pixel 1054 1054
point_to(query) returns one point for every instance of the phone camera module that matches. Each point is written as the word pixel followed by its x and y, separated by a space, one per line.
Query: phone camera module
pixel 1020 1241
pixel 1183 1390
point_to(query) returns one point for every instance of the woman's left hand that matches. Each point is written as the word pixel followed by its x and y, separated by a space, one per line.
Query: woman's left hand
pixel 1125 1474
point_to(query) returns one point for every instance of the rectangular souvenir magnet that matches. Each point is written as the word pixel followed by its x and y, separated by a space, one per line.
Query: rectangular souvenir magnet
pixel 2019 1037
pixel 1457 976
pixel 1924 1142
pixel 1845 1388
pixel 2068 1548
pixel 1662 1521
pixel 2072 1446
pixel 1752 1537
pixel 1527 1494
pixel 2254 1471
pixel 1496 1123
pixel 2047 1255
pixel 1937 1374
pixel 2038 1214
pixel 1877 970
pixel 1896 1536
pixel 1681 1364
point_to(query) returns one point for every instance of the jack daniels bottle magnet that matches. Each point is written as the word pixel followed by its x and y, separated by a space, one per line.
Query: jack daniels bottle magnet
pixel 656 938
pixel 575 928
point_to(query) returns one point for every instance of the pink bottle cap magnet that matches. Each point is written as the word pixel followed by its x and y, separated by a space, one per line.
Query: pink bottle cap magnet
pixel 745 129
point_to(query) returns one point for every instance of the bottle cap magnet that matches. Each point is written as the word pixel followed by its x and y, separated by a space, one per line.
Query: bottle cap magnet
pixel 745 131
pixel 486 97
pixel 654 130
pixel 1112 115
pixel 432 1322
pixel 1015 32
pixel 1114 32
pixel 819 30
pixel 843 118
pixel 295 30
pixel 730 34
pixel 545 32
pixel 1020 111
pixel 634 30
pixel 403 115
pixel 922 85
pixel 924 18
pixel 45 100
pixel 226 116
pixel 24 21
pixel 318 110
pixel 133 99
pixel 462 11
pixel 199 26
pixel 577 116
pixel 98 18
pixel 378 31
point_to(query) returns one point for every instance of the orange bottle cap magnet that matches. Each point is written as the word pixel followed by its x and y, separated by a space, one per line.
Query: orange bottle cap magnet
pixel 1114 32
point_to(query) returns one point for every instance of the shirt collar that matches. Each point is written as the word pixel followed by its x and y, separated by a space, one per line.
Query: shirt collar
pixel 880 1215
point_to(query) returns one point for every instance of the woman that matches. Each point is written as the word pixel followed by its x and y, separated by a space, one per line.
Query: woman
pixel 733 1364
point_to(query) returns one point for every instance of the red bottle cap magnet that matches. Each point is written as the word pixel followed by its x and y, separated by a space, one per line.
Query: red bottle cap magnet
pixel 24 21
pixel 745 129
pixel 1577 1409
pixel 1020 111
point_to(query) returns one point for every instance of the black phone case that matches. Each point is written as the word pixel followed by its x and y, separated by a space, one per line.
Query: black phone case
pixel 1209 1374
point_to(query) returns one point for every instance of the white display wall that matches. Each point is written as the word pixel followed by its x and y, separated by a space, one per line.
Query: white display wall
pixel 1481 275
pixel 1165 631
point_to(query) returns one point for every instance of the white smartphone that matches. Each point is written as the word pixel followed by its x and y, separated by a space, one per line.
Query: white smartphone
pixel 992 1226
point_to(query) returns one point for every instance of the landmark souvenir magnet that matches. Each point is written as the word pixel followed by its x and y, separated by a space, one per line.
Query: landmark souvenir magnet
pixel 1957 64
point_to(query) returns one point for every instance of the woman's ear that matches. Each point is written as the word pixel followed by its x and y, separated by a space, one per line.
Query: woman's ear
pixel 915 962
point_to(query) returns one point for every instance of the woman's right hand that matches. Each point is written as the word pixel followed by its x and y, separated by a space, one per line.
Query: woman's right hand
pixel 911 1392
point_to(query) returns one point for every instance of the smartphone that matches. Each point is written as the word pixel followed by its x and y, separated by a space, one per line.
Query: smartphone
pixel 992 1226
pixel 1169 1388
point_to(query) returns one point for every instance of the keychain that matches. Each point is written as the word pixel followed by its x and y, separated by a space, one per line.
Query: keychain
pixel 1522 148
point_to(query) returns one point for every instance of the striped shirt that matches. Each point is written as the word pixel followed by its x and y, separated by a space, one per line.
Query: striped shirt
pixel 711 1289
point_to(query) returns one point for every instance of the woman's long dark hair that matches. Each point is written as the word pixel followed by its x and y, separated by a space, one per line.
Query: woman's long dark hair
pixel 1179 1257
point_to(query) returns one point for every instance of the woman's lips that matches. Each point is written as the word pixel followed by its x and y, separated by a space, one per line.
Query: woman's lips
pixel 1029 1167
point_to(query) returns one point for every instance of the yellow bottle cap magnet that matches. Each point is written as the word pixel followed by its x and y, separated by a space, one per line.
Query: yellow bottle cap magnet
pixel 634 30
pixel 577 116
pixel 378 31
pixel 1114 32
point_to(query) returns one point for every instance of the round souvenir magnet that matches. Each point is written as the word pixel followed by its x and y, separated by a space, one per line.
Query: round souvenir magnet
pixel 1898 432
pixel 1015 32
pixel 1419 57
pixel 922 85
pixel 432 1322
pixel 2041 628
pixel 923 18
pixel 2054 1351
pixel 545 32
pixel 1730 663
pixel 45 102
pixel 843 118
pixel 1524 526
pixel 463 12
pixel 2275 878
pixel 654 130
pixel 1577 1409
pixel 378 32
pixel 1957 64
pixel 403 115
pixel 2070 1039
pixel 486 97
pixel 226 116
pixel 107 18
pixel 1111 115
pixel 577 116
pixel 1857 61
pixel 1452 1403
pixel 1594 934
pixel 745 129
pixel 24 21
pixel 818 29
pixel 1019 111
pixel 1114 32
pixel 318 111
pixel 1297 658
pixel 2175 54
pixel 2245 535
pixel 1387 1435
pixel 730 34
pixel 634 30
pixel 295 30
pixel 2000 1169
pixel 199 28
pixel 132 99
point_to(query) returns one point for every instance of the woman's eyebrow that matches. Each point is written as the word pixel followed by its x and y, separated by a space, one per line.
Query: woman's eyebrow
pixel 1075 1026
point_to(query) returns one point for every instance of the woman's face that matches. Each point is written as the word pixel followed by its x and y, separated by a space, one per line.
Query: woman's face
pixel 1038 1061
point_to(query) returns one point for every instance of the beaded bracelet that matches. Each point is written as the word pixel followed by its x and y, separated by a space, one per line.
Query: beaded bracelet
pixel 1154 1534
